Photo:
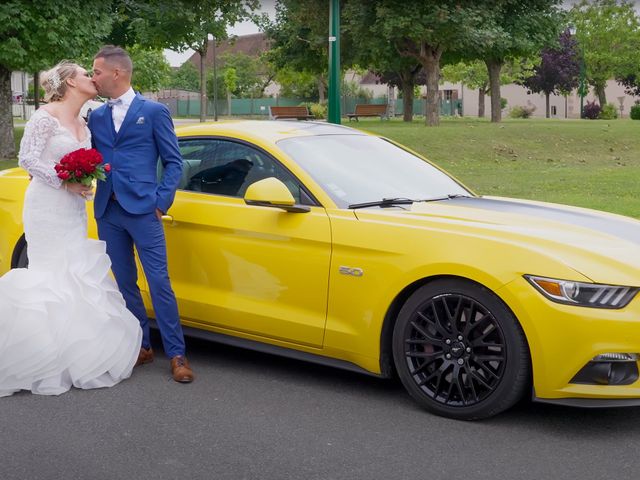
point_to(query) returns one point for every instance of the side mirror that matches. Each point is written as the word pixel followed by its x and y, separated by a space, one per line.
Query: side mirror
pixel 271 192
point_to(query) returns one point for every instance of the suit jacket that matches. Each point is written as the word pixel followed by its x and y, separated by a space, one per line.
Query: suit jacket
pixel 146 134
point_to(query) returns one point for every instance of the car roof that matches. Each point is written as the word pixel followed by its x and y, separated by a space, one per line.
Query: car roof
pixel 265 130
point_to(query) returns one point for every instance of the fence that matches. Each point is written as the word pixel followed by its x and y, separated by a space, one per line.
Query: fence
pixel 260 106
pixel 22 111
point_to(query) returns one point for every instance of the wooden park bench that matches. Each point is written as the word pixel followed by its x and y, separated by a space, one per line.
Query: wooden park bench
pixel 299 113
pixel 369 110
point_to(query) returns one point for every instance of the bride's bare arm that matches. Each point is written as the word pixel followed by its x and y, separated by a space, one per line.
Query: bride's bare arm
pixel 36 135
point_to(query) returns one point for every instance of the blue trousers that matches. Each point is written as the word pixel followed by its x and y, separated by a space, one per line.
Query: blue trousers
pixel 122 231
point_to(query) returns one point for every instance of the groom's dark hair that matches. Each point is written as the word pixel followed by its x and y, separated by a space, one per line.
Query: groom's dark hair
pixel 116 55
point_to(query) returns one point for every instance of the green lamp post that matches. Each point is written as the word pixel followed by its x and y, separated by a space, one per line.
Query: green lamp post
pixel 334 62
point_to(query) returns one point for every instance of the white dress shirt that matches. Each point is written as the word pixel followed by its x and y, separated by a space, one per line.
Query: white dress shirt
pixel 119 110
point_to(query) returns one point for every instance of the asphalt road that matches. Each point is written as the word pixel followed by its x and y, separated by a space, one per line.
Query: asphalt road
pixel 256 416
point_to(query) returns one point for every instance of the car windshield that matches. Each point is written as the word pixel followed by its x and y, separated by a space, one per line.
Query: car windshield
pixel 355 169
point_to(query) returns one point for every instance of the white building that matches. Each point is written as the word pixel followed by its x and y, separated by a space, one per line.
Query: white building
pixel 559 106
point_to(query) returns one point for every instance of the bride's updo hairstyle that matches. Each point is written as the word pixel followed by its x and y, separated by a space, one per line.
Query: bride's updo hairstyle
pixel 54 81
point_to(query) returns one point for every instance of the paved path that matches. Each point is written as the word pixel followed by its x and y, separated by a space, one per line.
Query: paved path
pixel 256 416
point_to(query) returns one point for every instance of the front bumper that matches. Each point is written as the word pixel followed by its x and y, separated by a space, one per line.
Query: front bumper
pixel 564 338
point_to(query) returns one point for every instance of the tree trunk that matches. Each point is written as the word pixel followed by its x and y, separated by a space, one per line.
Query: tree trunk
pixel 547 105
pixel 494 66
pixel 430 59
pixel 36 90
pixel 481 102
pixel 7 142
pixel 407 101
pixel 321 90
pixel 203 80
pixel 228 102
pixel 600 93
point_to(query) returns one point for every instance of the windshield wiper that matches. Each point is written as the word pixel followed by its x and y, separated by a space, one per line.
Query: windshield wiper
pixel 385 202
pixel 390 202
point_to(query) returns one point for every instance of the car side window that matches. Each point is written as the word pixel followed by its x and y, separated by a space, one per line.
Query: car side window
pixel 224 167
pixel 196 154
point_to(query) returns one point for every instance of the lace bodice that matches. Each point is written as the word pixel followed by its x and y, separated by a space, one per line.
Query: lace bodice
pixel 44 143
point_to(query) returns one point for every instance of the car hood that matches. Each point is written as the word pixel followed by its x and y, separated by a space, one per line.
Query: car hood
pixel 601 246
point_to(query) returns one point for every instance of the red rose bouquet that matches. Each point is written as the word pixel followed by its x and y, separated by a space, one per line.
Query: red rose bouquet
pixel 82 166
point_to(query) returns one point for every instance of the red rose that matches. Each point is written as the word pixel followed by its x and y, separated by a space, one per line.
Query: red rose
pixel 107 167
pixel 80 165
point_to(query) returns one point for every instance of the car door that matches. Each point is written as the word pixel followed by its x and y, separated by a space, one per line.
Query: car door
pixel 257 271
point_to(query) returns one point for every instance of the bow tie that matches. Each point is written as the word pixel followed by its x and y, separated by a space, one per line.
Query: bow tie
pixel 112 103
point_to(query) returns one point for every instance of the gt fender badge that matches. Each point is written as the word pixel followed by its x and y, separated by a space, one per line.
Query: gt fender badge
pixel 355 272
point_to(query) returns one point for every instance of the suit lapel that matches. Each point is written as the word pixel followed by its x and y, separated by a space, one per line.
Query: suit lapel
pixel 135 106
pixel 108 114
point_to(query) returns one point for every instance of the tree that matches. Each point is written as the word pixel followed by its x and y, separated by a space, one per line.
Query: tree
pixel 230 79
pixel 299 39
pixel 185 78
pixel 376 53
pixel 151 70
pixel 521 28
pixel 608 35
pixel 475 75
pixel 36 35
pixel 558 71
pixel 184 24
pixel 424 31
pixel 300 84
pixel 252 74
pixel 406 77
pixel 472 74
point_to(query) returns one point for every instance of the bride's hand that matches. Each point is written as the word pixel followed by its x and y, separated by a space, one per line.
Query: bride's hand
pixel 78 188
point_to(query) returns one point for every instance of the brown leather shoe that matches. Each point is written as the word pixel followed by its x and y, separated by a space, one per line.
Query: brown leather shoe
pixel 181 370
pixel 145 356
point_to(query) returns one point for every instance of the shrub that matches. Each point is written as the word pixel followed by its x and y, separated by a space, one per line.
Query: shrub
pixel 503 103
pixel 608 112
pixel 634 113
pixel 522 111
pixel 318 110
pixel 591 110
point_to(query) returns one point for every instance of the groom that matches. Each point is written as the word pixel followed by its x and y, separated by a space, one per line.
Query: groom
pixel 131 132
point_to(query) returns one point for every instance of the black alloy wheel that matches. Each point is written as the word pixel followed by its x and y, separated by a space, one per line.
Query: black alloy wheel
pixel 459 351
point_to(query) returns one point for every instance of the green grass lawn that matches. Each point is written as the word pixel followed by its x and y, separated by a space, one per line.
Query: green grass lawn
pixel 17 132
pixel 593 164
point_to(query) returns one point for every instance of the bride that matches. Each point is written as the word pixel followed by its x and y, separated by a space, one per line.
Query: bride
pixel 63 322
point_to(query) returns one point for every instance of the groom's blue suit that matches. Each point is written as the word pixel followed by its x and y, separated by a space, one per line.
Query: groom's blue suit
pixel 125 208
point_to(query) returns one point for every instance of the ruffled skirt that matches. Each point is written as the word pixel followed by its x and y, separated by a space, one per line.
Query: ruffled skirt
pixel 63 321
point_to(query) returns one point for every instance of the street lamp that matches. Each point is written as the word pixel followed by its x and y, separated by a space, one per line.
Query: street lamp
pixel 215 81
pixel 581 86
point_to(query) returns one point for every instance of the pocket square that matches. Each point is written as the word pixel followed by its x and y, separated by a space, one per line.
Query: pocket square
pixel 140 121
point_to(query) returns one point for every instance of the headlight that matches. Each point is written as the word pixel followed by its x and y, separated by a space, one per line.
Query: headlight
pixel 583 294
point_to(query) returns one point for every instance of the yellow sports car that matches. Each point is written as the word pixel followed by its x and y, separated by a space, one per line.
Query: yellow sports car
pixel 328 244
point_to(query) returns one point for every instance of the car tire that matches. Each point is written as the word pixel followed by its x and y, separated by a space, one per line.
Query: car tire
pixel 22 259
pixel 459 351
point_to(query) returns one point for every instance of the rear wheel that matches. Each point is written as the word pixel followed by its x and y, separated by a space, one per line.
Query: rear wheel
pixel 20 258
pixel 459 351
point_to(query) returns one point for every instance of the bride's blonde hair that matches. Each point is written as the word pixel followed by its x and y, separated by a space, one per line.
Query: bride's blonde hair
pixel 54 80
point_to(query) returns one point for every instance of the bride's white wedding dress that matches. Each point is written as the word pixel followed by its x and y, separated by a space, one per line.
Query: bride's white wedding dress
pixel 63 321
